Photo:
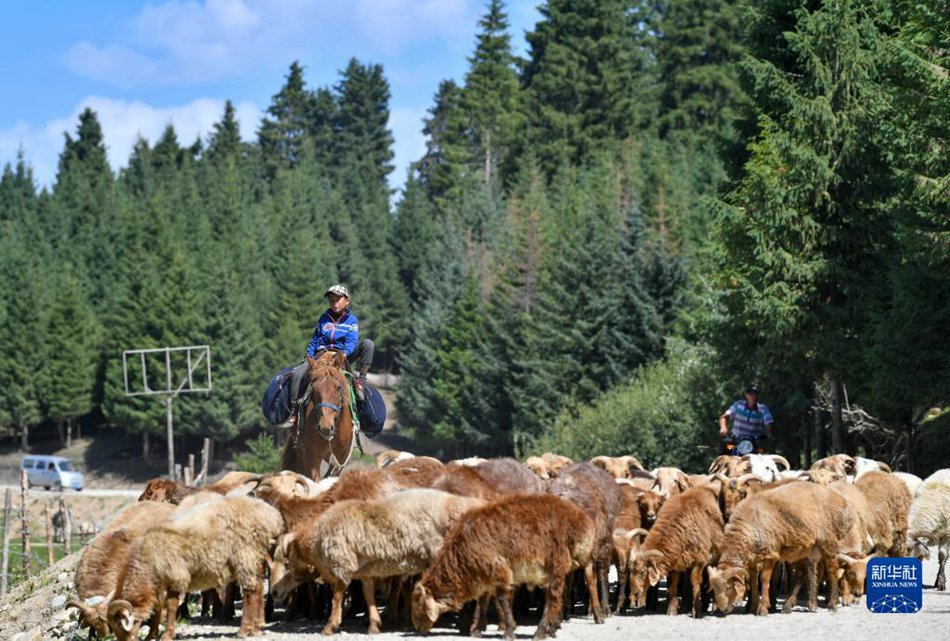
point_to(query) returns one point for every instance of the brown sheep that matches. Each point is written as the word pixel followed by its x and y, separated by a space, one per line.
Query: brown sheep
pixel 839 465
pixel 369 540
pixel 597 494
pixel 556 463
pixel 357 483
pixel 205 547
pixel 489 480
pixel 539 466
pixel 418 471
pixel 730 466
pixel 391 456
pixel 854 548
pixel 617 466
pixel 521 539
pixel 686 537
pixel 636 507
pixel 106 555
pixel 793 522
pixel 167 491
pixel 670 480
pixel 889 502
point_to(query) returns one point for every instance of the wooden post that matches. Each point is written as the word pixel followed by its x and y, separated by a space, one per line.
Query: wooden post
pixel 24 523
pixel 67 527
pixel 49 537
pixel 5 563
pixel 176 472
pixel 191 468
pixel 205 453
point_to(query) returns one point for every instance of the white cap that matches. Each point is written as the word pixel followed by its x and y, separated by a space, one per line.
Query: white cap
pixel 337 289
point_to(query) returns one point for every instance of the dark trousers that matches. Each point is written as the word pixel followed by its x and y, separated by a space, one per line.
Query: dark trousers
pixel 363 353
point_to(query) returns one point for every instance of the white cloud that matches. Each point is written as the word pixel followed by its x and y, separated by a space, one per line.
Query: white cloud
pixel 123 122
pixel 191 42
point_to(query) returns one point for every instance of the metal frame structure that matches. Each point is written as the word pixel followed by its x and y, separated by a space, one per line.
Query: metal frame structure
pixel 171 390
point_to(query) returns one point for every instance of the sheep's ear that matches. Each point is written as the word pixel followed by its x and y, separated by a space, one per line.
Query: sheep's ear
pixel 839 573
pixel 283 544
pixel 653 572
pixel 433 608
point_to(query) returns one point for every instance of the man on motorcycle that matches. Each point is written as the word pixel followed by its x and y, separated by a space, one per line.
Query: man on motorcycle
pixel 750 418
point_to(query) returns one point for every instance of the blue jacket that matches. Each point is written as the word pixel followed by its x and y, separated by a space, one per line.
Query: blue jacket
pixel 340 333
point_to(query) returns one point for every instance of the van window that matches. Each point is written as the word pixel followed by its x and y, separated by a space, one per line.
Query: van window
pixel 27 464
pixel 64 466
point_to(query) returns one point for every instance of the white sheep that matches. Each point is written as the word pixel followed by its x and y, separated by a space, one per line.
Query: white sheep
pixel 929 521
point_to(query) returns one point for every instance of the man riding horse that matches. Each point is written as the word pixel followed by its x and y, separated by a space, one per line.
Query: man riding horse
pixel 337 329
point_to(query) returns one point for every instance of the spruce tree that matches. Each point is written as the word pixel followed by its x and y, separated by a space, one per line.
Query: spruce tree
pixel 282 132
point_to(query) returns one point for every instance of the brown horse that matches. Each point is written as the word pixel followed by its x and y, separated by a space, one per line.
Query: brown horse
pixel 323 437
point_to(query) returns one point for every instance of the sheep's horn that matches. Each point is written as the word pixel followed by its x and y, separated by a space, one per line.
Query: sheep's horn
pixel 637 532
pixel 634 461
pixel 87 611
pixel 844 557
pixel 650 554
pixel 885 466
pixel 301 482
pixel 781 459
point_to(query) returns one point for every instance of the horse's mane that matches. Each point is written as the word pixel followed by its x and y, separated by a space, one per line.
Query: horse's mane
pixel 329 364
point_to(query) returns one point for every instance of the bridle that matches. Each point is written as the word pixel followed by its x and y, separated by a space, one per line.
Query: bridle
pixel 337 408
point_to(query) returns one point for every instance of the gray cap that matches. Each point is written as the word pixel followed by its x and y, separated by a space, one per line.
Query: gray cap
pixel 337 289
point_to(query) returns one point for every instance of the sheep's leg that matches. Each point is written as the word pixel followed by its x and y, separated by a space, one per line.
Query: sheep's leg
pixel 249 612
pixel 602 570
pixel 766 578
pixel 622 576
pixel 811 569
pixel 553 597
pixel 831 568
pixel 392 607
pixel 696 579
pixel 336 608
pixel 171 613
pixel 480 617
pixel 753 604
pixel 372 613
pixel 152 624
pixel 941 583
pixel 797 576
pixel 672 593
pixel 503 599
pixel 590 579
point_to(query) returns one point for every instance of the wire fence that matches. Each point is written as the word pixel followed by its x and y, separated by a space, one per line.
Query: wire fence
pixel 29 547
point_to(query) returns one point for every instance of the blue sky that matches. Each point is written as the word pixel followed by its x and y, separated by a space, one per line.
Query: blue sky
pixel 142 65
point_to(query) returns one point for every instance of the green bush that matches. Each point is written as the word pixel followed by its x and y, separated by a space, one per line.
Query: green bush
pixel 262 456
pixel 665 416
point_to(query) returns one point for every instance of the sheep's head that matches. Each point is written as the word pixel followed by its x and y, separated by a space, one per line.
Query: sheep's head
pixel 537 465
pixel 125 625
pixel 649 504
pixel 728 587
pixel 646 569
pixel 292 569
pixel 93 613
pixel 854 571
pixel 426 610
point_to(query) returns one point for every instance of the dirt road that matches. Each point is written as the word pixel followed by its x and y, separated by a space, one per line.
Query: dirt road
pixel 53 494
pixel 930 624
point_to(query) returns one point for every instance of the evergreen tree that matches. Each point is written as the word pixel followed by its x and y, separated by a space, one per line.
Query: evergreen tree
pixel 363 136
pixel 801 240
pixel 698 54
pixel 490 98
pixel 281 135
pixel 586 79
pixel 445 157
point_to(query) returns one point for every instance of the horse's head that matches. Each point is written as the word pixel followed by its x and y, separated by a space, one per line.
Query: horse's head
pixel 329 390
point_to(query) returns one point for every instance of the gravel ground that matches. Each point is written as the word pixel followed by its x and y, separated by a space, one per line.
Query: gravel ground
pixel 931 623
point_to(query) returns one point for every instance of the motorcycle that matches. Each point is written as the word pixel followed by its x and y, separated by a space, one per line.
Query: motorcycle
pixel 742 445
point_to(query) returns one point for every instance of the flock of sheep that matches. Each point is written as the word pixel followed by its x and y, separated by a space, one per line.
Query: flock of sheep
pixel 433 537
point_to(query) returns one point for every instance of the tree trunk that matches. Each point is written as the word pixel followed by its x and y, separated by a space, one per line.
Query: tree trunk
pixel 24 437
pixel 806 445
pixel 78 430
pixel 818 440
pixel 145 449
pixel 837 425
pixel 61 432
pixel 69 433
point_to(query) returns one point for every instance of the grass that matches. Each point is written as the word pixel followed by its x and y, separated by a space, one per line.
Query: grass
pixel 38 556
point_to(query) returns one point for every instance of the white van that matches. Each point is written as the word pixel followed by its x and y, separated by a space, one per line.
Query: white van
pixel 51 472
